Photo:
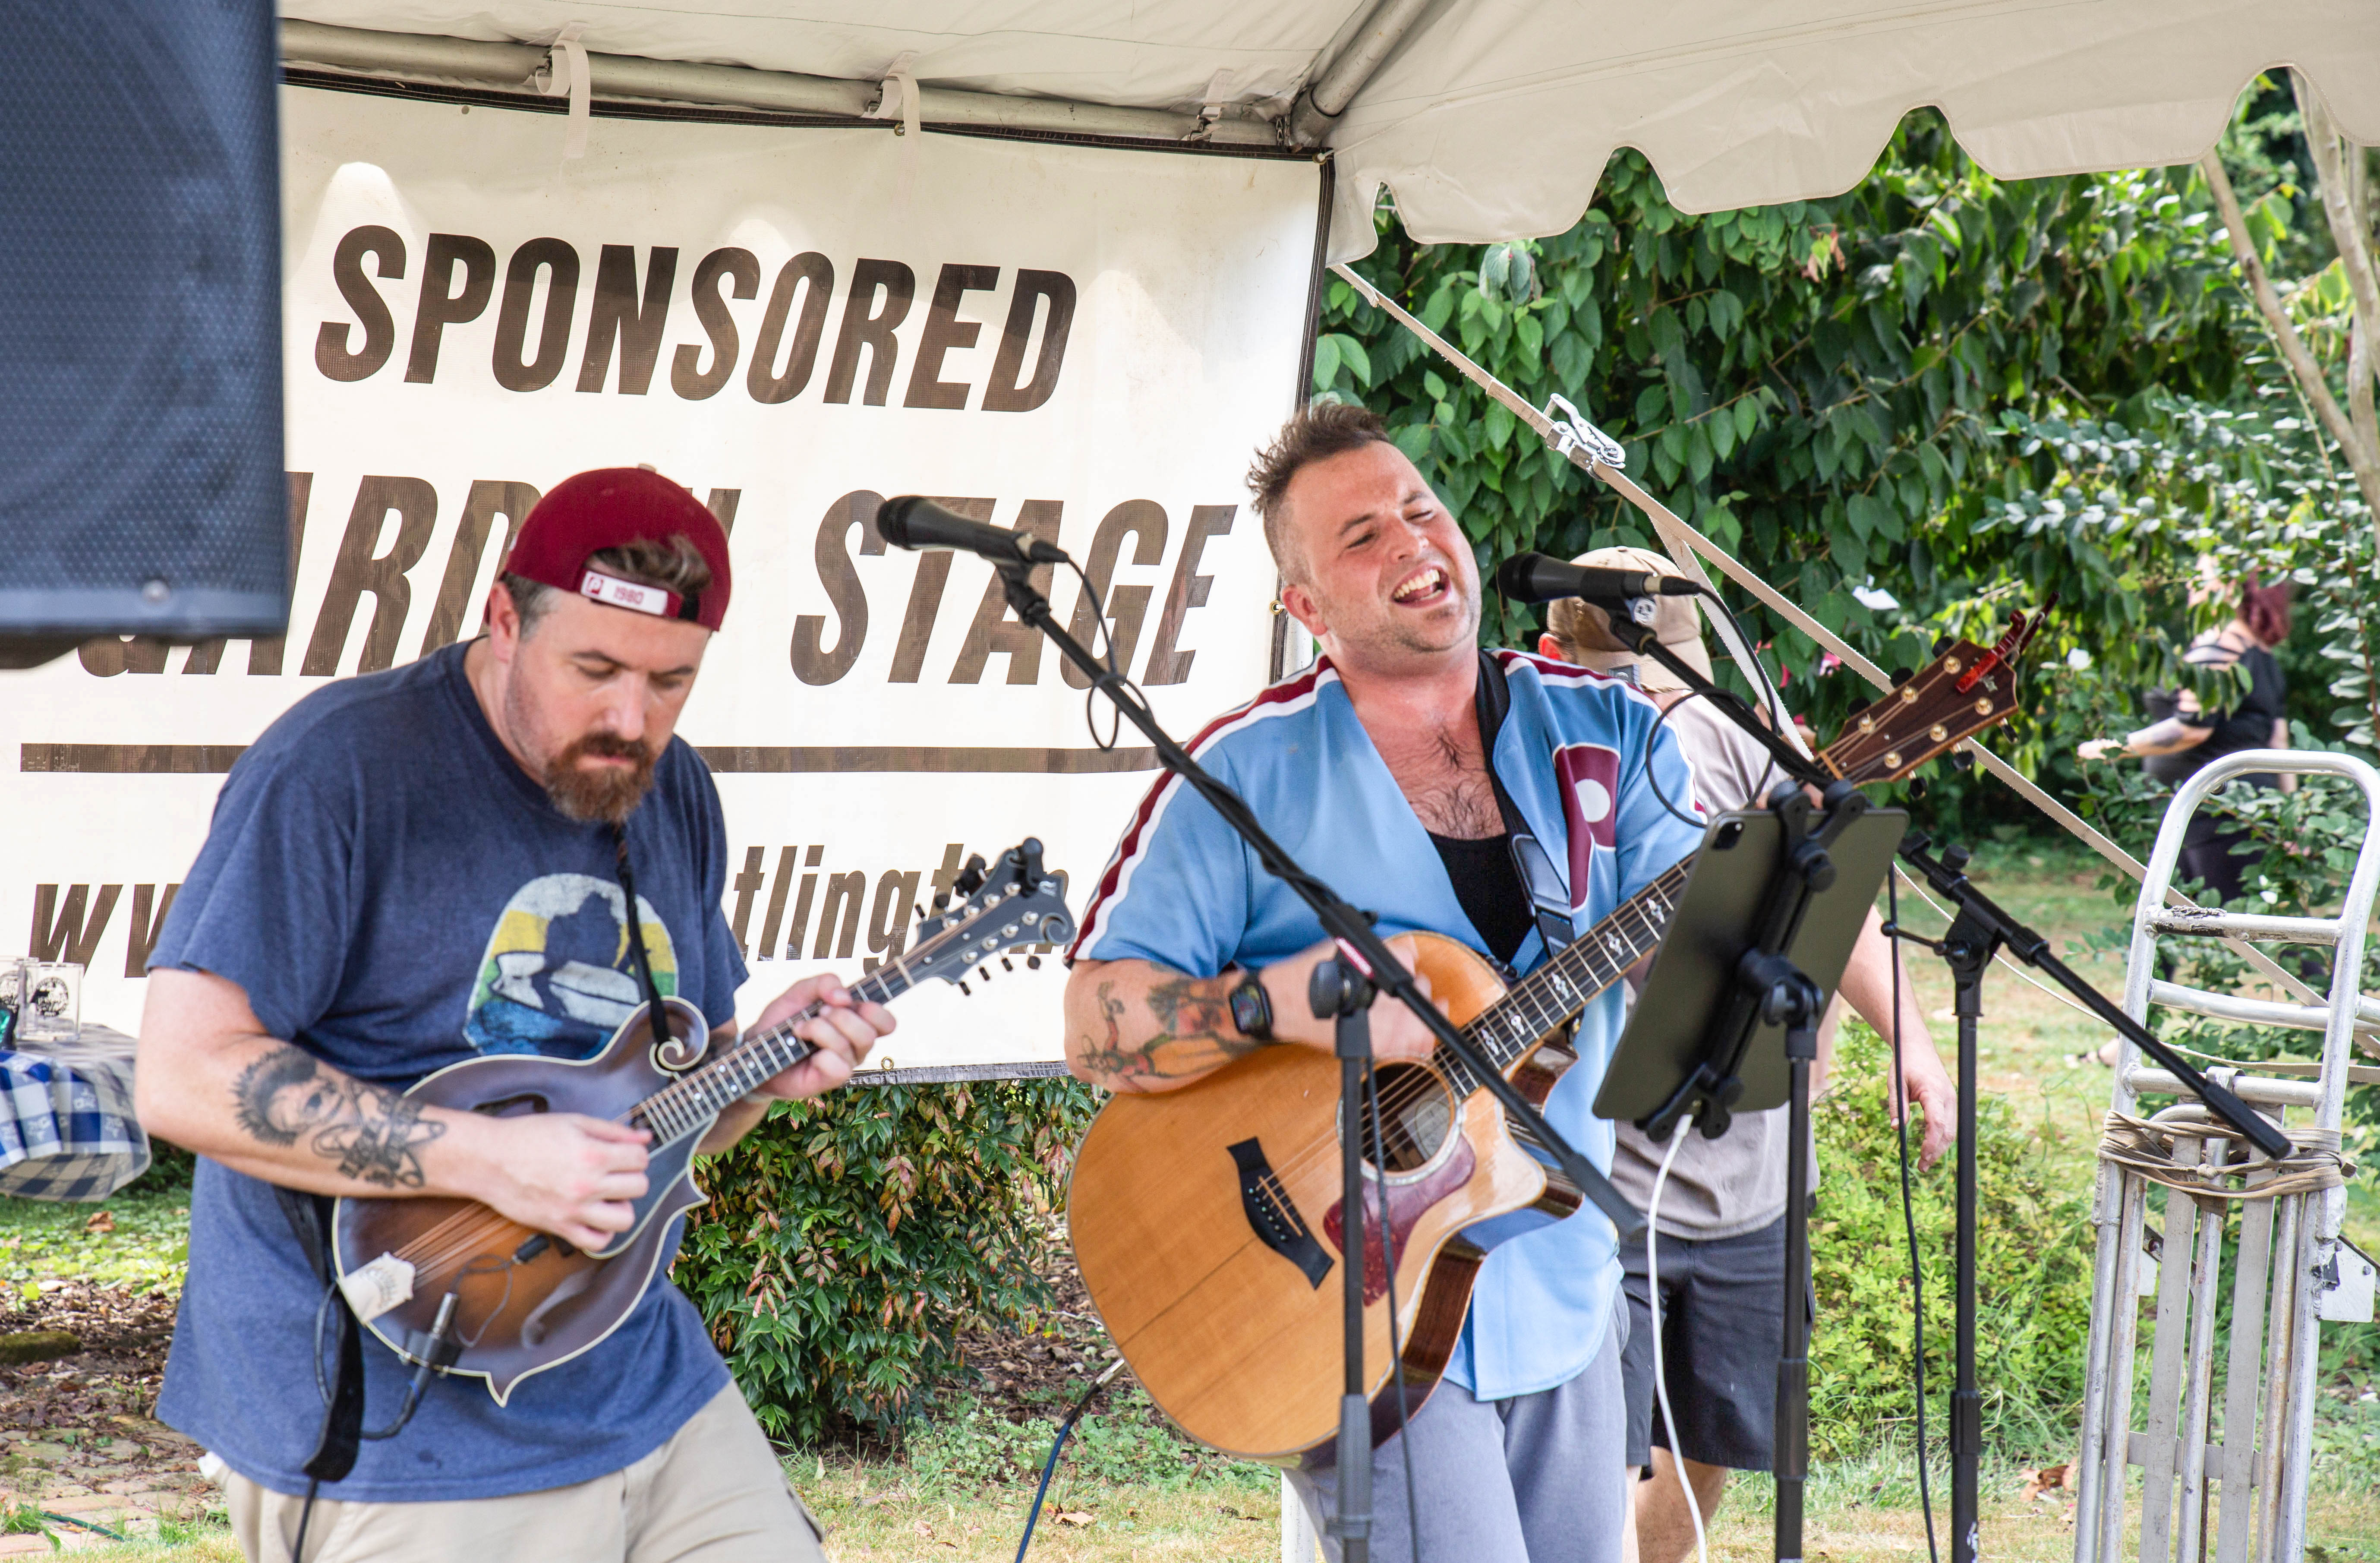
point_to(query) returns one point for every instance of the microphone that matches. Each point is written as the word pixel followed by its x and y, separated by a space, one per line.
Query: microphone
pixel 1535 577
pixel 910 521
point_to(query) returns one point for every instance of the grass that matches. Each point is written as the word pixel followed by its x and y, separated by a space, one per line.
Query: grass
pixel 961 1487
pixel 143 1244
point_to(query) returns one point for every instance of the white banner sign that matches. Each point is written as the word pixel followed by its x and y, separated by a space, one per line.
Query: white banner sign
pixel 1085 342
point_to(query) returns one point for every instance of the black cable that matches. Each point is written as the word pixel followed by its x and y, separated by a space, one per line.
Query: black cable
pixel 1909 1217
pixel 1049 1466
pixel 1396 1341
pixel 1106 638
pixel 305 1517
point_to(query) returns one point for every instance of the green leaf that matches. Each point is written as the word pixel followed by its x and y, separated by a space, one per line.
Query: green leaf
pixel 1326 361
pixel 1351 352
pixel 1498 424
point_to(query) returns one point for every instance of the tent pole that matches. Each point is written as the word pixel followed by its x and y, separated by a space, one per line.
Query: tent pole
pixel 1323 102
pixel 508 66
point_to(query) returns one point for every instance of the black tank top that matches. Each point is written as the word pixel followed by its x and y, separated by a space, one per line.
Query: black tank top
pixel 1487 882
pixel 2247 723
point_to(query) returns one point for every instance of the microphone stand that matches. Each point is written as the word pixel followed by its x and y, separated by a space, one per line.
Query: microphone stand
pixel 1981 929
pixel 1371 962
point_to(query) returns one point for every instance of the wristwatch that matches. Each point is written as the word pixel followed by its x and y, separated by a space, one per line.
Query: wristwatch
pixel 1251 1008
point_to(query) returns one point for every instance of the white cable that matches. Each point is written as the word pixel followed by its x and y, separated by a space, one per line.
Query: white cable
pixel 1661 1379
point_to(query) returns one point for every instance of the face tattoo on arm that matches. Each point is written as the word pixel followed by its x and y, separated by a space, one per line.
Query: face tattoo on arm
pixel 372 1133
pixel 1195 1032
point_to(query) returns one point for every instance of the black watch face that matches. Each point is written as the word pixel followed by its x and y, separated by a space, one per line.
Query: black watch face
pixel 1251 1012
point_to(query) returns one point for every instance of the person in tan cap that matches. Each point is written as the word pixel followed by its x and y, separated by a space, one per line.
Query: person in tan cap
pixel 1722 1216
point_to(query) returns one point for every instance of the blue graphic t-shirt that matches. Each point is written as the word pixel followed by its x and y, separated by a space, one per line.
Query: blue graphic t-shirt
pixel 395 895
pixel 1577 752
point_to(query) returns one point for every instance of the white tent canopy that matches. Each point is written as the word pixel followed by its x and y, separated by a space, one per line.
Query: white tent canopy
pixel 1486 118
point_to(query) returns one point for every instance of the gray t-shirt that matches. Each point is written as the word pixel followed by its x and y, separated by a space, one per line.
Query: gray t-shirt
pixel 1735 1184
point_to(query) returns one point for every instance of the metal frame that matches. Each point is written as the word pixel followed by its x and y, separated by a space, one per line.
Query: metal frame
pixel 2288 1246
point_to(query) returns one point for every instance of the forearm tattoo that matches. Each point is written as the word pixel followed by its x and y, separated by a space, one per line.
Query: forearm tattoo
pixel 1182 1029
pixel 374 1135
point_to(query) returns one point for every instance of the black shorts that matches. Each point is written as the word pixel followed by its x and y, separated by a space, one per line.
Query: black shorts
pixel 1723 1332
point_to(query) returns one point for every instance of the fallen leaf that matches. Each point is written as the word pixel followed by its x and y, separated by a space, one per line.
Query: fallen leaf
pixel 923 1529
pixel 1075 1517
pixel 100 1221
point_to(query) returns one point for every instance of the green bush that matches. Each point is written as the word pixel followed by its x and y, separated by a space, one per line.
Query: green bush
pixel 2034 1249
pixel 849 1239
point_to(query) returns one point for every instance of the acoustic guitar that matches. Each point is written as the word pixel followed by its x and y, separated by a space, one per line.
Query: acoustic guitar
pixel 1206 1221
pixel 518 1301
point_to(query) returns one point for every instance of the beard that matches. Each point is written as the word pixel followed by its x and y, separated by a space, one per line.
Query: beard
pixel 607 793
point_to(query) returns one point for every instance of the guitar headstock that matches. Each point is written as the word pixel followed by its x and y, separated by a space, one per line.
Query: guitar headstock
pixel 1965 690
pixel 1003 906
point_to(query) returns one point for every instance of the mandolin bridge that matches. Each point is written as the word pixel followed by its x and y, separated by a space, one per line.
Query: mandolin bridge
pixel 1272 1216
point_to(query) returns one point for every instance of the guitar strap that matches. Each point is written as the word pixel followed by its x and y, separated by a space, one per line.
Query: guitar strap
pixel 659 1011
pixel 1548 897
pixel 343 1412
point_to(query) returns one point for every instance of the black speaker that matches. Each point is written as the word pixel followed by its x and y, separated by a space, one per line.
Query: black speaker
pixel 141 470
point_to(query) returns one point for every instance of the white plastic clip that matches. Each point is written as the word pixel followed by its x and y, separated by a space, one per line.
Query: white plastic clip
pixel 898 92
pixel 1573 432
pixel 565 72
pixel 1212 105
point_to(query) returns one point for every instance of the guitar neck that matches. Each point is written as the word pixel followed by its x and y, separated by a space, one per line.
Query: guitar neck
pixel 690 1102
pixel 1553 994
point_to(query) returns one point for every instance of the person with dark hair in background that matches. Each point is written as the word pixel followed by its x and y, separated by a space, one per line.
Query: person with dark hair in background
pixel 2183 739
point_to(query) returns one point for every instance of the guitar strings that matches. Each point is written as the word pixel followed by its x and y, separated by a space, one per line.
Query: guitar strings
pixel 1415 1089
pixel 461 1236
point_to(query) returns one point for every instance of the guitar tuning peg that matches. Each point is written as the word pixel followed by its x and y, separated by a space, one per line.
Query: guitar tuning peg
pixel 1033 963
pixel 1963 758
pixel 984 972
pixel 1917 790
pixel 1942 644
pixel 1004 965
pixel 965 989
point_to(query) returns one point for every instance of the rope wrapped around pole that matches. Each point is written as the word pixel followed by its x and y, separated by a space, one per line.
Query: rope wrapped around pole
pixel 2145 1146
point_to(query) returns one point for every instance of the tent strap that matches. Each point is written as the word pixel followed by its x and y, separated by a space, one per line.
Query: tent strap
pixel 1591 450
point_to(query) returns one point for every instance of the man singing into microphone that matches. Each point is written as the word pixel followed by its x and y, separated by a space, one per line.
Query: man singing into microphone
pixel 1398 769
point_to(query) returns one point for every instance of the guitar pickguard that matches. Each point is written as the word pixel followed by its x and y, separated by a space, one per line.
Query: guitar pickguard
pixel 1408 1202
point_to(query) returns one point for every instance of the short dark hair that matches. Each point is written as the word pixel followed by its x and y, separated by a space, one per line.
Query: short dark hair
pixel 1315 432
pixel 675 566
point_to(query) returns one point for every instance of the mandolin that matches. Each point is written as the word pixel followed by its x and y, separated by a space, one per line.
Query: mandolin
pixel 428 1275
pixel 1206 1220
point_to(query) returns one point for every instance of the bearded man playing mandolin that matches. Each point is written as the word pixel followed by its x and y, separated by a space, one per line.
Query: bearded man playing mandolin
pixel 1373 769
pixel 498 850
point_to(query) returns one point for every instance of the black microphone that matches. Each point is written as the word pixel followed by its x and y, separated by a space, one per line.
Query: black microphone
pixel 913 522
pixel 1537 577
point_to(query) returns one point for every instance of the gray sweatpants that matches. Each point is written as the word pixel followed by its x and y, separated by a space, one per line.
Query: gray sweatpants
pixel 1536 1479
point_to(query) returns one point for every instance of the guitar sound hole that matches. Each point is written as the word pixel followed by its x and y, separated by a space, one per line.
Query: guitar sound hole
pixel 1416 1116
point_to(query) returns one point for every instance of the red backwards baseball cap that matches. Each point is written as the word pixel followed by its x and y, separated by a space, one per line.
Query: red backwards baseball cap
pixel 605 508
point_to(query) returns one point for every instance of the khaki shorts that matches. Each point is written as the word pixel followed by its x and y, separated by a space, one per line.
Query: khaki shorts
pixel 713 1494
